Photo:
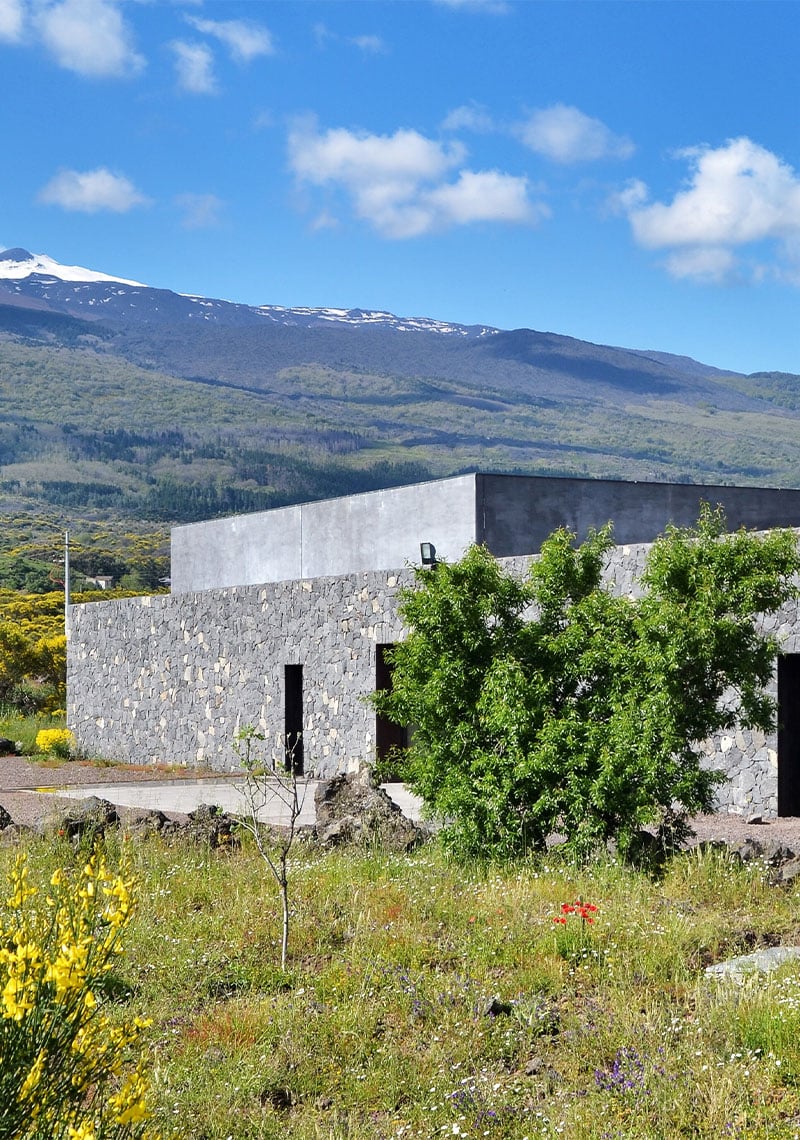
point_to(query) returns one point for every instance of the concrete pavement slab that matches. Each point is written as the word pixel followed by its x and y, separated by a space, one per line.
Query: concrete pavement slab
pixel 184 796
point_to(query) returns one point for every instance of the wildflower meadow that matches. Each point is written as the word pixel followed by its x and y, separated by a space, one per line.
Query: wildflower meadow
pixel 421 997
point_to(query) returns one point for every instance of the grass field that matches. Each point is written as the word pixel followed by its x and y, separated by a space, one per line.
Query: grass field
pixel 384 1023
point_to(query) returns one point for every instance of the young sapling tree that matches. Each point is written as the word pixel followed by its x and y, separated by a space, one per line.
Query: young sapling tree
pixel 274 782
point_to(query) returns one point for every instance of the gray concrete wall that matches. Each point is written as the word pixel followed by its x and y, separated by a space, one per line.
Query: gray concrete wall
pixel 510 514
pixel 238 551
pixel 336 536
pixel 517 513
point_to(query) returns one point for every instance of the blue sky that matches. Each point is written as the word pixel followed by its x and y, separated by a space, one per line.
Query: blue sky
pixel 626 173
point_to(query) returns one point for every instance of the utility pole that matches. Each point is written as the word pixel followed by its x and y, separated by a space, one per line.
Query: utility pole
pixel 66 583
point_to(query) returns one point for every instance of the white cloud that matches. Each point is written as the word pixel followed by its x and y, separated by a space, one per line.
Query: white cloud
pixel 89 37
pixel 485 196
pixel 493 7
pixel 200 211
pixel 11 20
pixel 715 266
pixel 399 183
pixel 372 44
pixel 632 195
pixel 738 194
pixel 468 117
pixel 322 34
pixel 194 66
pixel 406 157
pixel 369 43
pixel 325 221
pixel 244 39
pixel 565 134
pixel 91 191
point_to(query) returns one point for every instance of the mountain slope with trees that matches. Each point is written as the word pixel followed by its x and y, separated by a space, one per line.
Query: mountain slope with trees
pixel 126 409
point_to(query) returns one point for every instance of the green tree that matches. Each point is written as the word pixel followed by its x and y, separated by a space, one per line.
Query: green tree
pixel 550 704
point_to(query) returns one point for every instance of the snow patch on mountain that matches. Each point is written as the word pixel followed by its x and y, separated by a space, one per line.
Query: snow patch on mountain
pixel 280 313
pixel 89 290
pixel 17 264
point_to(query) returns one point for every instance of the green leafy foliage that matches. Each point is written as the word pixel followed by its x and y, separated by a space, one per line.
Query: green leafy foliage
pixel 550 704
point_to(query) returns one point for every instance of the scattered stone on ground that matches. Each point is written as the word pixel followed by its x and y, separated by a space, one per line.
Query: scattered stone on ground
pixel 277 1097
pixel 783 862
pixel 786 872
pixel 537 1067
pixel 352 809
pixel 153 822
pixel 209 824
pixel 88 817
pixel 497 1008
pixel 760 962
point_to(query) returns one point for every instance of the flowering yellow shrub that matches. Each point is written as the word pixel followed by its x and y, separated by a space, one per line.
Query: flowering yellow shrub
pixel 33 669
pixel 66 1072
pixel 58 741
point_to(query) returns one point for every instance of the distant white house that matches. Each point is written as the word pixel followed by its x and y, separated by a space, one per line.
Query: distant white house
pixel 100 581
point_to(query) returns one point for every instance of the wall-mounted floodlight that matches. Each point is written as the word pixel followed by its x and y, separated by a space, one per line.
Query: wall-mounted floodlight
pixel 427 553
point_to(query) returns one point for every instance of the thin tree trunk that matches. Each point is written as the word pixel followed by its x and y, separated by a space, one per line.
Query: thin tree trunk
pixel 285 936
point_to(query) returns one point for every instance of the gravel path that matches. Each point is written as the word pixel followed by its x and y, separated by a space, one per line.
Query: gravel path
pixel 20 776
pixel 733 829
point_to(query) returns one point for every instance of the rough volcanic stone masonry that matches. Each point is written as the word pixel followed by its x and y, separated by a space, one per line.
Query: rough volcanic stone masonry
pixel 170 679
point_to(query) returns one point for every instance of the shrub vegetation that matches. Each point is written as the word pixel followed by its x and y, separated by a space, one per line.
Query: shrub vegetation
pixel 65 1067
pixel 550 703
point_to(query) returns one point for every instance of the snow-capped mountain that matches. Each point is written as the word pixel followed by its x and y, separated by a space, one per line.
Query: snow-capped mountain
pixel 261 346
pixel 19 264
pixel 91 294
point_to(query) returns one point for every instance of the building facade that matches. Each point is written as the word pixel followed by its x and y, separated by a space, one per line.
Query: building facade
pixel 281 620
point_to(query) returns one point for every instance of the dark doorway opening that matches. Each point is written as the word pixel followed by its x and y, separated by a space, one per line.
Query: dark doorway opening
pixel 293 718
pixel 789 734
pixel 390 739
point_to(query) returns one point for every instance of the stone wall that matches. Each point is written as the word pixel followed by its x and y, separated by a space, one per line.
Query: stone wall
pixel 170 679
pixel 748 758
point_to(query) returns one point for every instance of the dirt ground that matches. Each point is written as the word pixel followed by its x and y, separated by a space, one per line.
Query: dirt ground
pixel 19 776
pixel 733 828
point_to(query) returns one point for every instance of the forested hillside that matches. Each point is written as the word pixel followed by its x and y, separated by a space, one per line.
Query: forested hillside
pixel 116 429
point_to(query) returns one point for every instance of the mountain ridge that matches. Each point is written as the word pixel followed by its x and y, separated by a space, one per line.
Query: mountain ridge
pixel 39 286
pixel 123 404
pixel 248 346
pixel 64 288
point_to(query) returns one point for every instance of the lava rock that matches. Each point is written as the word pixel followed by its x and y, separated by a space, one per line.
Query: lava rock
pixel 352 809
pixel 209 824
pixel 495 1008
pixel 85 819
